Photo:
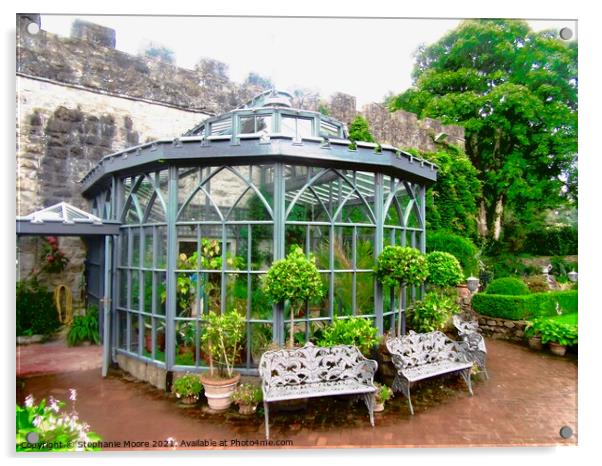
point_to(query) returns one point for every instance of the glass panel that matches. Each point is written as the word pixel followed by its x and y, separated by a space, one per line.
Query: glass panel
pixel 304 127
pixel 123 256
pixel 261 306
pixel 319 240
pixel 121 329
pixel 247 125
pixel 123 288
pixel 200 208
pixel 328 129
pixel 295 235
pixel 289 126
pixel 135 290
pixel 148 247
pixel 262 246
pixel 186 286
pixel 161 293
pixel 343 293
pixel 210 291
pixel 261 338
pixel 364 297
pixel 365 248
pixel 250 207
pixel 148 337
pixel 222 127
pixel 135 247
pixel 185 343
pixel 236 292
pixel 148 292
pixel 343 248
pixel 134 333
pixel 227 187
pixel 131 215
pixel 263 123
pixel 161 259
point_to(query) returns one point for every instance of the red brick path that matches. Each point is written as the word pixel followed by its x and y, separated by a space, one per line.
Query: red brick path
pixel 526 401
pixel 56 357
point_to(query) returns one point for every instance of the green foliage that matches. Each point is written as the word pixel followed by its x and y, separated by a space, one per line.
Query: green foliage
pixel 160 52
pixel 515 93
pixel 507 265
pixel 525 306
pixel 512 286
pixel 451 202
pixel 462 248
pixel 537 284
pixel 247 394
pixel 552 241
pixel 551 330
pixel 353 331
pixel 84 328
pixel 359 130
pixel 398 265
pixel 383 393
pixel 295 279
pixel 432 312
pixel 561 267
pixel 221 340
pixel 188 385
pixel 36 313
pixel 443 269
pixel 56 429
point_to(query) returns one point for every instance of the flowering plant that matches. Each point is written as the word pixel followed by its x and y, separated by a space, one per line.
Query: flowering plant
pixel 47 427
pixel 188 385
pixel 53 259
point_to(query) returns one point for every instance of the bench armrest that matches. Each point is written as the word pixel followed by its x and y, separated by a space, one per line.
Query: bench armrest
pixel 366 369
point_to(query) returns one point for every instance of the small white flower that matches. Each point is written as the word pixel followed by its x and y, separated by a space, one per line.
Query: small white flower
pixel 29 401
pixel 54 405
pixel 72 394
pixel 37 421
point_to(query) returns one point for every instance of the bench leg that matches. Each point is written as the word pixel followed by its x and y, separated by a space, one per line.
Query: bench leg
pixel 369 400
pixel 267 420
pixel 402 385
pixel 466 376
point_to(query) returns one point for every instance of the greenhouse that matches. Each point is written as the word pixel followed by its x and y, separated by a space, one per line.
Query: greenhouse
pixel 203 216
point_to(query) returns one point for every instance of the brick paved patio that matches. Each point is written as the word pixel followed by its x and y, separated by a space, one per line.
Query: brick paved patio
pixel 526 401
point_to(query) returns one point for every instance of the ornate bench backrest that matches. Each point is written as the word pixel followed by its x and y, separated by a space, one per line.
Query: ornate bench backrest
pixel 469 332
pixel 465 326
pixel 312 364
pixel 416 349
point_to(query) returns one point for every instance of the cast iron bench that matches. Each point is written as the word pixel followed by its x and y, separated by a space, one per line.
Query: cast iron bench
pixel 419 356
pixel 313 371
pixel 474 342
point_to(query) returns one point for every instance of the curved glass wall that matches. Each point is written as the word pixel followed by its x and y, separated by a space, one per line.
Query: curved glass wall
pixel 215 230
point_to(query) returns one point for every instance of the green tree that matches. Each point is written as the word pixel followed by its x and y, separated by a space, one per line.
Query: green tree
pixel 515 93
pixel 360 130
pixel 160 52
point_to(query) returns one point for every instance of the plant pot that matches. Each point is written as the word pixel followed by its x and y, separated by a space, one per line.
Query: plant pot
pixel 535 343
pixel 379 407
pixel 219 391
pixel 463 291
pixel 557 349
pixel 189 400
pixel 247 410
pixel 148 342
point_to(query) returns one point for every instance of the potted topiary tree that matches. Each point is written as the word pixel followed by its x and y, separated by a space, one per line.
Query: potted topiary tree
pixel 401 266
pixel 221 341
pixel 294 279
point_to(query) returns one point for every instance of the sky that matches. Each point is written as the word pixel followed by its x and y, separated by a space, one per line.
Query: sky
pixel 367 58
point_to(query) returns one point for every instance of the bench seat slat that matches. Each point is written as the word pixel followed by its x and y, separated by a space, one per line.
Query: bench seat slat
pixel 433 369
pixel 342 387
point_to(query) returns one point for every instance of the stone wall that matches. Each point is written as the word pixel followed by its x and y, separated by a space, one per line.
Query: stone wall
pixel 502 329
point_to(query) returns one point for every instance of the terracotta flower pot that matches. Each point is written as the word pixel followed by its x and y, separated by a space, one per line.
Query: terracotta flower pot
pixel 379 407
pixel 535 343
pixel 463 291
pixel 219 391
pixel 247 410
pixel 557 349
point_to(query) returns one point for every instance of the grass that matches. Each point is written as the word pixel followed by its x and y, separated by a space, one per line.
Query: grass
pixel 571 318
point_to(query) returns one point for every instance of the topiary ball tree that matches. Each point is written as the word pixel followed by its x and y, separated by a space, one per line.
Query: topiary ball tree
pixel 444 269
pixel 401 266
pixel 295 279
pixel 512 286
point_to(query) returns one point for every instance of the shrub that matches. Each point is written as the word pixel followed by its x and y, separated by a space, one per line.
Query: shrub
pixel 537 284
pixel 398 265
pixel 432 313
pixel 221 340
pixel 462 248
pixel 507 265
pixel 524 306
pixel 56 429
pixel 444 269
pixel 511 286
pixel 36 313
pixel 188 385
pixel 247 394
pixel 559 241
pixel 84 328
pixel 554 331
pixel 353 331
pixel 561 267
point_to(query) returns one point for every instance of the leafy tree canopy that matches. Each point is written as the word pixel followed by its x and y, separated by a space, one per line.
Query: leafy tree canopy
pixel 359 130
pixel 515 93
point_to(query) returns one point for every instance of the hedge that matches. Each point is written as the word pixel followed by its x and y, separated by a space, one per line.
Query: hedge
pixel 525 306
pixel 513 286
pixel 559 241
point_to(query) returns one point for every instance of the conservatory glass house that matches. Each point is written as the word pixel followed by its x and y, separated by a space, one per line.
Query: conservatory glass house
pixel 204 215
